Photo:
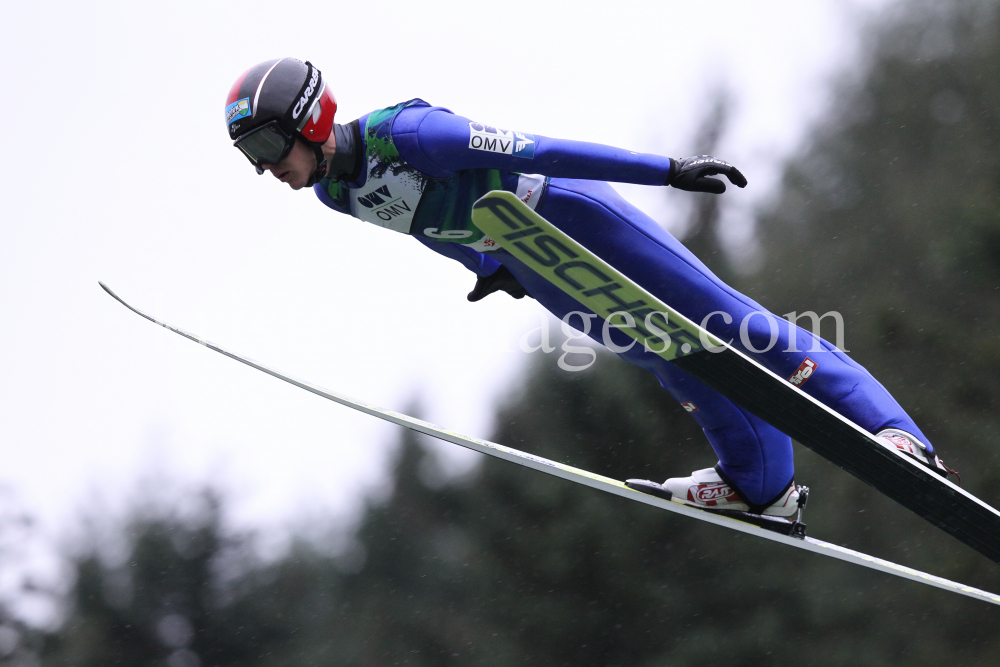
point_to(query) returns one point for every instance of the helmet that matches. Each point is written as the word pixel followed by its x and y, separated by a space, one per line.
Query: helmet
pixel 273 103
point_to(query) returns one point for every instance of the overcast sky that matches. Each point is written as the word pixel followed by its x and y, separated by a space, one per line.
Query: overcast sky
pixel 117 167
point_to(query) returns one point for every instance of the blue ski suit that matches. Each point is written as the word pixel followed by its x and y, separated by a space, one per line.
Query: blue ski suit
pixel 422 167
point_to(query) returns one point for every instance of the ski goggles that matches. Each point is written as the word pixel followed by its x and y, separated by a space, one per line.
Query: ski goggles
pixel 267 144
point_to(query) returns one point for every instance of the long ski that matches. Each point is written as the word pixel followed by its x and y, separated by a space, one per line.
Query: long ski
pixel 593 480
pixel 605 291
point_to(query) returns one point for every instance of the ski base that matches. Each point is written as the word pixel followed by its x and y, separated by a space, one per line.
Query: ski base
pixel 593 480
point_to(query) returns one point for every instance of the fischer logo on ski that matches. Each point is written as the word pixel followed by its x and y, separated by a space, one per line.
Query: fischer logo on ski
pixel 689 406
pixel 578 275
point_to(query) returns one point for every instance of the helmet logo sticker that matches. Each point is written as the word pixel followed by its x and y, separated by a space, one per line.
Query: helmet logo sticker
pixel 306 94
pixel 237 110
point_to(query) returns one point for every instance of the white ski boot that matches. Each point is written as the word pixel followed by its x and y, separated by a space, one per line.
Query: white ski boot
pixel 706 490
pixel 915 449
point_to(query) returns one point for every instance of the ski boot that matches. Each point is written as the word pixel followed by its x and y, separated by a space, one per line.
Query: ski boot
pixel 917 450
pixel 706 490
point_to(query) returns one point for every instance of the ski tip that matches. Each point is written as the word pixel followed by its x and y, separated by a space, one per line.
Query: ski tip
pixel 114 296
pixel 107 289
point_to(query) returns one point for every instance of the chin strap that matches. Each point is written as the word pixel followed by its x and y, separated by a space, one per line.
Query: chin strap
pixel 320 165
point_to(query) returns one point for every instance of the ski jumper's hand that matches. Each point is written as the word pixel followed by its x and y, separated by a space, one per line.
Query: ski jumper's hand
pixel 692 174
pixel 500 280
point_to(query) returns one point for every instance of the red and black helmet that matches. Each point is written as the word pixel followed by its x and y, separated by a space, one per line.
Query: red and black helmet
pixel 273 103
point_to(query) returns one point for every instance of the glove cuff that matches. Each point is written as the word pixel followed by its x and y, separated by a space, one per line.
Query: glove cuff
pixel 674 168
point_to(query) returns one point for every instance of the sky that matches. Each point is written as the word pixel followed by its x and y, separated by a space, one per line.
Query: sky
pixel 118 168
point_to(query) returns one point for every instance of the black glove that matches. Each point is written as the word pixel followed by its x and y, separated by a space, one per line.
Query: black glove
pixel 501 279
pixel 692 174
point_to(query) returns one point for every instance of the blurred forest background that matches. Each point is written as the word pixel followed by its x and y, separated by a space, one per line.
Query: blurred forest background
pixel 891 215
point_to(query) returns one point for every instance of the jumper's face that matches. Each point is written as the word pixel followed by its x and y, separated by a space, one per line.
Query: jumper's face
pixel 296 168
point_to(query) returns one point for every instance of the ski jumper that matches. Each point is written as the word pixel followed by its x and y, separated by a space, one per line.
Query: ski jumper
pixel 422 168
